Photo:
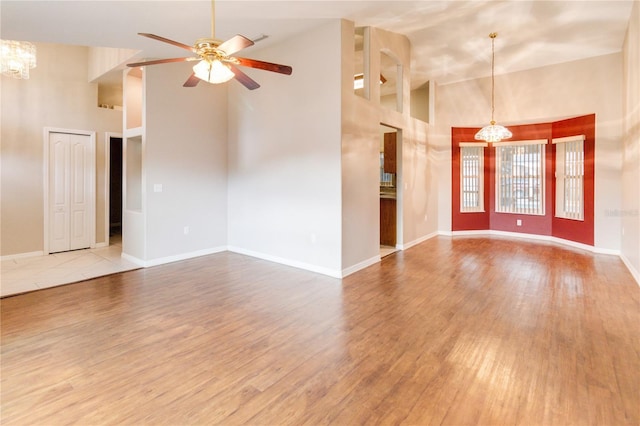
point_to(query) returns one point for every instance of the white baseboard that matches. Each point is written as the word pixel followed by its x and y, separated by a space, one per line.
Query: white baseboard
pixel 101 245
pixel 133 260
pixel 597 250
pixel 536 237
pixel 22 255
pixel 170 259
pixel 358 266
pixel 634 271
pixel 417 241
pixel 294 263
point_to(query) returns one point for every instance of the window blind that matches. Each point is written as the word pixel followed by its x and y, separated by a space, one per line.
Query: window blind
pixel 471 177
pixel 570 177
pixel 520 177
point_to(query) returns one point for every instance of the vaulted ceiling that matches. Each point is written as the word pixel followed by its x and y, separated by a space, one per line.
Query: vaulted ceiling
pixel 449 38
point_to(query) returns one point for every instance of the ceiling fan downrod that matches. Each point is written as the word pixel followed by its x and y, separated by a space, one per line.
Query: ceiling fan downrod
pixel 213 19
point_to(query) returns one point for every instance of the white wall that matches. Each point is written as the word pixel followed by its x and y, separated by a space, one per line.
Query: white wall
pixel 361 120
pixel 284 155
pixel 56 95
pixel 537 96
pixel 630 210
pixel 186 152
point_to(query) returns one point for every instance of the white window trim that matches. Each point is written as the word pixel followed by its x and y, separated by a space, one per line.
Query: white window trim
pixel 480 207
pixel 523 142
pixel 569 139
pixel 473 144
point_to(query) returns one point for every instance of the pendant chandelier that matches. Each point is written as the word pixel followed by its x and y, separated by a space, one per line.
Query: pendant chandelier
pixel 493 132
pixel 18 57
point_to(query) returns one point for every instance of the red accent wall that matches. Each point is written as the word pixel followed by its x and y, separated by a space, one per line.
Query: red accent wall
pixel 531 224
pixel 574 230
pixel 579 231
pixel 467 221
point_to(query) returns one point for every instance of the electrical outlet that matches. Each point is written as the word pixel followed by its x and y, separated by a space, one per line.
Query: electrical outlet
pixel 518 222
pixel 157 187
pixel 186 230
pixel 314 238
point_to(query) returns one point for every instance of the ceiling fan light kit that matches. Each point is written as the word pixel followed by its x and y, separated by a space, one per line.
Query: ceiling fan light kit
pixel 214 72
pixel 216 63
pixel 493 132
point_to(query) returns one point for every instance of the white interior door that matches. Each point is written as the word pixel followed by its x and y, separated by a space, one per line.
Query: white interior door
pixel 58 192
pixel 69 192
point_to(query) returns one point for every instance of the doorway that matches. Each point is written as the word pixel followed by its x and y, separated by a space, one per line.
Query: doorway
pixel 113 180
pixel 390 190
pixel 69 195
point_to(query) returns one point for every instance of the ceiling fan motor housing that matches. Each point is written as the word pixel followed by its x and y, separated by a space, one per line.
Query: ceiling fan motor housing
pixel 208 48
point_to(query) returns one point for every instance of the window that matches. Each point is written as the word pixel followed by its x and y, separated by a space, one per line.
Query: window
pixel 570 177
pixel 472 176
pixel 386 179
pixel 520 177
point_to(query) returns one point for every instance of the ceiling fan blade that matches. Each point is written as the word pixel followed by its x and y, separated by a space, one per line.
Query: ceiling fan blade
pixel 166 40
pixel 192 81
pixel 246 81
pixel 268 66
pixel 162 61
pixel 235 44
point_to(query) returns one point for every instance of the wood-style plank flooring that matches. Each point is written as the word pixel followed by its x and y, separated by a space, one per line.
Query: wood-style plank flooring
pixel 452 331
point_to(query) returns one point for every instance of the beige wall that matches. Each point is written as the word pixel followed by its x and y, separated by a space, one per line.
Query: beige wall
pixel 56 95
pixel 361 120
pixel 630 210
pixel 104 59
pixel 185 151
pixel 284 155
pixel 420 103
pixel 542 95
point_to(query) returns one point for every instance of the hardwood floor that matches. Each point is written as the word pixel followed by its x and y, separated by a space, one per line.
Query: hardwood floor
pixel 452 331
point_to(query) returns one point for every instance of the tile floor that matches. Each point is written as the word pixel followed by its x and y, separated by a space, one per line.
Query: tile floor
pixel 387 250
pixel 34 273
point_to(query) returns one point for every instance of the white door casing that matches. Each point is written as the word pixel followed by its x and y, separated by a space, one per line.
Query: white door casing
pixel 69 190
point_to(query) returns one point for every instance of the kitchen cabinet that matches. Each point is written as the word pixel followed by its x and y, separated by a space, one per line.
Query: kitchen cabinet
pixel 388 222
pixel 390 152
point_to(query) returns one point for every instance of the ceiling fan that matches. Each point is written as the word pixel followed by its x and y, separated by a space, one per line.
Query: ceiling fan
pixel 216 65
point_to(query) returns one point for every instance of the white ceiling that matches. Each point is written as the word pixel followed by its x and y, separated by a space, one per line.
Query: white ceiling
pixel 449 38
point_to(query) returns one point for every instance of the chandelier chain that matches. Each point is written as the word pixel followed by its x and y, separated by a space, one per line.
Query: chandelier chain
pixel 493 132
